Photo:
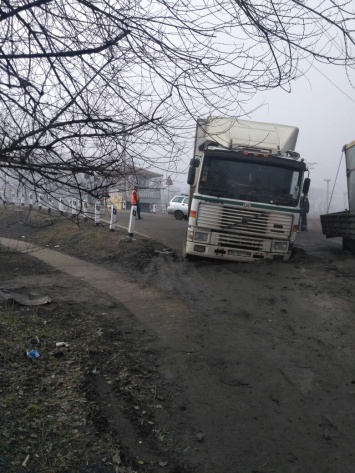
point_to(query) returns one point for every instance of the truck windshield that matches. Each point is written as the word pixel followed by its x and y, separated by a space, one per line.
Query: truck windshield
pixel 252 181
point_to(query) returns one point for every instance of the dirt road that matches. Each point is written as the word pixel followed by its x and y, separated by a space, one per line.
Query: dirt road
pixel 271 374
pixel 257 359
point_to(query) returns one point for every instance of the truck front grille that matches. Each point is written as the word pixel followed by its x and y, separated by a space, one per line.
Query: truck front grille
pixel 243 227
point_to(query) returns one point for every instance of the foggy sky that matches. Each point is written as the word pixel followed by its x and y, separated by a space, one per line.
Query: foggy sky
pixel 325 117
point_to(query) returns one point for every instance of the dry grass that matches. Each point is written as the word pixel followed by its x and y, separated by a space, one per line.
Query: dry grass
pixel 76 237
pixel 48 422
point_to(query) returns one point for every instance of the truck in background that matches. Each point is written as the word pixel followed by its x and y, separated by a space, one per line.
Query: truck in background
pixel 342 224
pixel 245 186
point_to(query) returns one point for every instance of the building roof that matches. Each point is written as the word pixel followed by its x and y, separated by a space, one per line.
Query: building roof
pixel 145 173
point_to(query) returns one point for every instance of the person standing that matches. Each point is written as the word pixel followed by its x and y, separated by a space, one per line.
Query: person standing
pixel 304 206
pixel 135 201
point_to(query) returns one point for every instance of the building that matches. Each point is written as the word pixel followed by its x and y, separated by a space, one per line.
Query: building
pixel 149 184
pixel 116 190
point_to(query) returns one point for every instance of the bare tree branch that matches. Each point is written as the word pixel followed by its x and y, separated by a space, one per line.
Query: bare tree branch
pixel 103 87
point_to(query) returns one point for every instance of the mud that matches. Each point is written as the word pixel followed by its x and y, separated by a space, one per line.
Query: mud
pixel 254 363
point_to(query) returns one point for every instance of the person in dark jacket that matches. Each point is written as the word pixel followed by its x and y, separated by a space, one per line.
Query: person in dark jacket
pixel 304 206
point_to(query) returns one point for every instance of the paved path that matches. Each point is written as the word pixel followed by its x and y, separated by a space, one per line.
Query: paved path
pixel 167 316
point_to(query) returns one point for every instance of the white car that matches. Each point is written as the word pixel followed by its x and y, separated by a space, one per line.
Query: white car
pixel 179 206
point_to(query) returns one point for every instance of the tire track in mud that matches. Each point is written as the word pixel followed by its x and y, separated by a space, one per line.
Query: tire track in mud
pixel 293 359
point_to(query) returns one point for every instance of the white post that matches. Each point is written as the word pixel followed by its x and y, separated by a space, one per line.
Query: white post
pixel 31 200
pixel 22 199
pixel 154 209
pixel 13 195
pixel 39 201
pixel 113 218
pixel 132 221
pixel 73 207
pixel 97 213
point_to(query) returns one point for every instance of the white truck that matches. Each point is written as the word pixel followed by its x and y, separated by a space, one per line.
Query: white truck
pixel 245 186
pixel 342 224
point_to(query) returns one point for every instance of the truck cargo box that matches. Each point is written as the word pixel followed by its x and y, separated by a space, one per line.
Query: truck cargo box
pixel 342 224
pixel 234 133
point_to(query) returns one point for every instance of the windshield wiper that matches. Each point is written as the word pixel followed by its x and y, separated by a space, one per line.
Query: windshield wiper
pixel 281 202
pixel 285 197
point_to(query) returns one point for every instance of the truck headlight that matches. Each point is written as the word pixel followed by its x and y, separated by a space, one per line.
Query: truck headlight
pixel 190 234
pixel 280 246
pixel 200 236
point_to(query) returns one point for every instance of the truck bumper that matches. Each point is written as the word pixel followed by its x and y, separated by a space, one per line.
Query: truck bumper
pixel 233 254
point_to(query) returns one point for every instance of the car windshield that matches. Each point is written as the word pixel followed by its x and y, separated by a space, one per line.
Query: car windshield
pixel 178 199
pixel 250 181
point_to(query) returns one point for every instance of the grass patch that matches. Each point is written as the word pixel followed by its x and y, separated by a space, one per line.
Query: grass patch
pixel 78 237
pixel 48 423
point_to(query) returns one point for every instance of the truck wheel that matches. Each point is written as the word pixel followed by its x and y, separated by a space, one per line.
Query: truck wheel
pixel 179 215
pixel 349 245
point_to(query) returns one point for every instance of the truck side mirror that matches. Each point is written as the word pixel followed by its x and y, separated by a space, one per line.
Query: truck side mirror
pixel 306 185
pixel 194 163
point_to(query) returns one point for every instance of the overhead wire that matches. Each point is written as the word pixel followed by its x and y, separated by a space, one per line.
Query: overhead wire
pixel 329 80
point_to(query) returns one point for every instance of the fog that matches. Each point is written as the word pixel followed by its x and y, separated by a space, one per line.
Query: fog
pixel 321 105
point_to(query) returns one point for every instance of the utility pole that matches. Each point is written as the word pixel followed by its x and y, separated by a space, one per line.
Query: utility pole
pixel 327 199
pixel 345 195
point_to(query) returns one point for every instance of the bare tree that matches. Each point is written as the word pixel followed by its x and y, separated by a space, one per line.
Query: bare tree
pixel 98 87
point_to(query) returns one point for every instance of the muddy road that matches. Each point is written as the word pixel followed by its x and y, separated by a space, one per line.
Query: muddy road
pixel 256 360
pixel 268 364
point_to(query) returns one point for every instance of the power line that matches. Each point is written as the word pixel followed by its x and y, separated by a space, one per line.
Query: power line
pixel 333 83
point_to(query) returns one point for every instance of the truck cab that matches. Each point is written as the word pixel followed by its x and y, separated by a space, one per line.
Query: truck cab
pixel 244 199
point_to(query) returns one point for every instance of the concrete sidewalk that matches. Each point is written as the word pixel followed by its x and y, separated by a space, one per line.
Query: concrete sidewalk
pixel 169 317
